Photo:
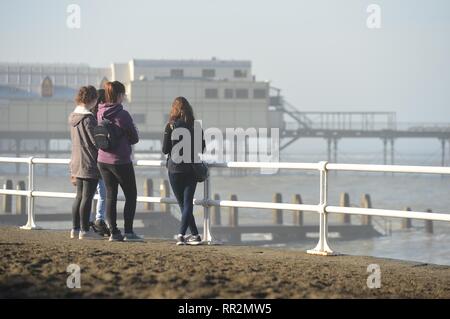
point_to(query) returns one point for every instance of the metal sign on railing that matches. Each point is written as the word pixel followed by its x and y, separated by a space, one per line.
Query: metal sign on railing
pixel 322 208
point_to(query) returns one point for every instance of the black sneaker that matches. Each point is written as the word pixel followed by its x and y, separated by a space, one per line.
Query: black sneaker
pixel 116 235
pixel 101 228
pixel 132 237
pixel 193 240
pixel 180 240
pixel 92 226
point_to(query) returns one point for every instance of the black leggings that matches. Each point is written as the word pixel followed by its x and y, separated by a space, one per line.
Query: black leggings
pixel 81 208
pixel 114 175
pixel 183 186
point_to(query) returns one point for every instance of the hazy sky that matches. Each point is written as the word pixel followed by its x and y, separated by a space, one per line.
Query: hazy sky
pixel 320 53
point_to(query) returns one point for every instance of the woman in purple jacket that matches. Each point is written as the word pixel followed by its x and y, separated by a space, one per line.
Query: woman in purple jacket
pixel 116 166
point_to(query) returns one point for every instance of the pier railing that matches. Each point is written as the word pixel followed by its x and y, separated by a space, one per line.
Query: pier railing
pixel 322 208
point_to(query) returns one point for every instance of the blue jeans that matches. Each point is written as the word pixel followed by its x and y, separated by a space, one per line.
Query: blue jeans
pixel 101 205
pixel 183 185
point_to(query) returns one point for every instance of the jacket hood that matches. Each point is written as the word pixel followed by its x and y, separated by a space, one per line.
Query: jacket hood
pixel 78 115
pixel 108 110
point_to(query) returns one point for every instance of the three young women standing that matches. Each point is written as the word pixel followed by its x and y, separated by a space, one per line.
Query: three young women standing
pixel 116 167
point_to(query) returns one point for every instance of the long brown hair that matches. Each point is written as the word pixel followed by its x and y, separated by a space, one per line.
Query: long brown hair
pixel 113 90
pixel 182 109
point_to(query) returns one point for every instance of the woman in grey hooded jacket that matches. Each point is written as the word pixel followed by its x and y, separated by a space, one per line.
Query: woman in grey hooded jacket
pixel 83 162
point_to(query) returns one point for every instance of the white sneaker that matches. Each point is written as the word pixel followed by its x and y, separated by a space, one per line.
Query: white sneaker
pixel 88 235
pixel 180 240
pixel 193 240
pixel 74 233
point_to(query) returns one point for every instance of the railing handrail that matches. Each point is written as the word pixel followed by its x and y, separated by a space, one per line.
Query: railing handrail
pixel 322 207
pixel 275 165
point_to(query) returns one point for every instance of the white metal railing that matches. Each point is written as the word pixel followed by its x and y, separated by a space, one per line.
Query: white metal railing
pixel 322 208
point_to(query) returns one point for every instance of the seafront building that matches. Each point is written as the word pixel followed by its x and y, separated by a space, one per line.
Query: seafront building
pixel 35 99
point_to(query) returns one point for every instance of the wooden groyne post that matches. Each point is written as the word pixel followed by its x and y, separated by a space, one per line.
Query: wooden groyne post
pixel 216 216
pixel 429 224
pixel 148 192
pixel 297 216
pixel 406 222
pixel 7 199
pixel 344 201
pixel 277 214
pixel 21 201
pixel 366 203
pixel 233 214
pixel 233 221
pixel 164 189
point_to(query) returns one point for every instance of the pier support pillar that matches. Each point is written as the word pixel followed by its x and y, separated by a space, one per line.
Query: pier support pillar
pixel 329 149
pixel 47 149
pixel 406 222
pixel 366 203
pixel 18 148
pixel 448 146
pixel 297 217
pixel 344 201
pixel 442 152
pixel 216 218
pixel 335 150
pixel 277 214
pixel 392 152
pixel 384 151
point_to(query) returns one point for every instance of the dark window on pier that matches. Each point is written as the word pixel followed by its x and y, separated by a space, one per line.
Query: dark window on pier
pixel 240 73
pixel 241 93
pixel 176 73
pixel 229 93
pixel 259 94
pixel 211 93
pixel 208 73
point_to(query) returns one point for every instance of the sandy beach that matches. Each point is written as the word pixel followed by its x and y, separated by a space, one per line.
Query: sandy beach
pixel 34 263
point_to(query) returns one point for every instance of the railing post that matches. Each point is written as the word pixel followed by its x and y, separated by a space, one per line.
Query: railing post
pixel 207 236
pixel 30 205
pixel 206 210
pixel 322 247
